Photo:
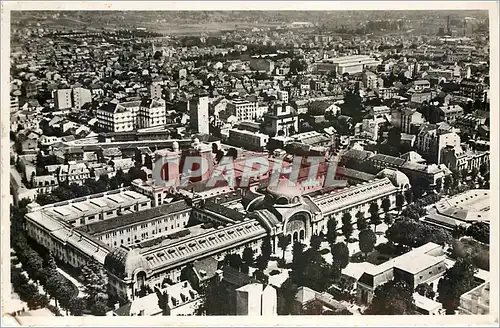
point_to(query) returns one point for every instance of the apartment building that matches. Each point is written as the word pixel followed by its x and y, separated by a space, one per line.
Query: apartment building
pixel 198 112
pixel 244 110
pixel 114 117
pixel 14 104
pixel 81 96
pixel 62 99
pixel 450 113
pixel 247 139
pixel 151 113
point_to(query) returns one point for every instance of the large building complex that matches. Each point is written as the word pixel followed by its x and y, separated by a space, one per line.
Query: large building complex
pixel 348 64
pixel 139 245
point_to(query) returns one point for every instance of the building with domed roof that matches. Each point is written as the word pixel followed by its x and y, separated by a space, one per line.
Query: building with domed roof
pixel 144 250
pixel 129 267
pixel 397 178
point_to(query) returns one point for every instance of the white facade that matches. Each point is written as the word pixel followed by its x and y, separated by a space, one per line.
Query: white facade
pixel 244 110
pixel 113 117
pixel 151 113
pixel 81 96
pixel 243 138
pixel 62 98
pixel 199 117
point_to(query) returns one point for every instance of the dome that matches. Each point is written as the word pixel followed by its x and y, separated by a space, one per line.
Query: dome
pixel 124 263
pixel 398 178
pixel 285 192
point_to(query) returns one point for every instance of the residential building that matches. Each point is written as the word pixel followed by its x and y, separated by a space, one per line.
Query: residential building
pixel 81 96
pixel 410 118
pixel 472 89
pixel 450 113
pixel 14 104
pixel 242 109
pixel 151 113
pixel 281 120
pixel 283 96
pixel 421 85
pixel 114 117
pixel 432 139
pixel 198 112
pixel 155 91
pixel 256 299
pixel 371 80
pixel 458 158
pixel 424 264
pixel 248 140
pixel 262 64
pixel 62 99
pixel 476 301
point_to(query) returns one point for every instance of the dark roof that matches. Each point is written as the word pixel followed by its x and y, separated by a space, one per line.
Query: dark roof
pixel 110 107
pixel 234 277
pixel 354 174
pixel 123 311
pixel 223 210
pixel 396 161
pixel 136 217
pixel 356 154
pixel 209 265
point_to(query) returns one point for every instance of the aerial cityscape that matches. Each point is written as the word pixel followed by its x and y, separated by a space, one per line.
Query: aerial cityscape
pixel 249 163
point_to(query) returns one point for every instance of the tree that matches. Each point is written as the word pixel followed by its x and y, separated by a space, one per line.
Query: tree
pixel 54 286
pixel 484 169
pixel 65 296
pixel 448 182
pixel 388 219
pixel 375 220
pixel 261 262
pixel 297 256
pixel 480 231
pixel 347 228
pixel 37 301
pixel 473 174
pixel 98 309
pixel 395 297
pixel 367 241
pixel 439 184
pixel 232 152
pixel 400 200
pixel 456 281
pixel 95 282
pixel 331 233
pixel 374 209
pixel 248 256
pixel 425 290
pixel 412 233
pixel 361 221
pixel 315 242
pixel 148 162
pixel 464 174
pixel 234 261
pixel 77 306
pixel 138 158
pixel 215 148
pixel 283 242
pixel 386 204
pixel 340 254
pixel 266 248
